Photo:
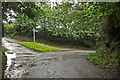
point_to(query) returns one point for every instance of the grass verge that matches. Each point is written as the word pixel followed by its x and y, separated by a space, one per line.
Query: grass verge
pixel 40 47
pixel 4 59
pixel 104 59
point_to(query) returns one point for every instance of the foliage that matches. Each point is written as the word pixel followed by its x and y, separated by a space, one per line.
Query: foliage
pixel 9 29
pixel 103 59
pixel 40 47
pixel 18 8
pixel 108 54
pixel 66 21
pixel 82 22
pixel 4 59
pixel 3 50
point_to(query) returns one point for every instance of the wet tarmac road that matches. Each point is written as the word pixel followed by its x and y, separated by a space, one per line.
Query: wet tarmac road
pixel 65 64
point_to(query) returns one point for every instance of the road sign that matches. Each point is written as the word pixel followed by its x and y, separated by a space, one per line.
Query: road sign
pixel 34 30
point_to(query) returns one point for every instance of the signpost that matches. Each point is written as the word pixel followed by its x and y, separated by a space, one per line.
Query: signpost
pixel 34 31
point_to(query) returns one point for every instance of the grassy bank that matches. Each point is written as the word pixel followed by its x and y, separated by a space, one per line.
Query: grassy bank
pixel 40 47
pixel 4 59
pixel 104 59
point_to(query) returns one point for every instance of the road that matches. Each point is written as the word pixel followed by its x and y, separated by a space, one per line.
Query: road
pixel 64 64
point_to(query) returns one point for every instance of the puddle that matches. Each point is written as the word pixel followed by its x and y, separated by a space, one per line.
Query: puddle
pixel 9 41
pixel 48 59
pixel 25 54
pixel 60 58
pixel 10 55
pixel 16 45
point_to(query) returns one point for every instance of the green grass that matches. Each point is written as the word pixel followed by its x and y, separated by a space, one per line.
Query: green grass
pixel 3 55
pixel 4 58
pixel 40 47
pixel 104 60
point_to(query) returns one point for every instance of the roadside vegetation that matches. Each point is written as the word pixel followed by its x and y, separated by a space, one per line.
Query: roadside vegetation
pixel 39 47
pixel 4 59
pixel 91 25
pixel 110 61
